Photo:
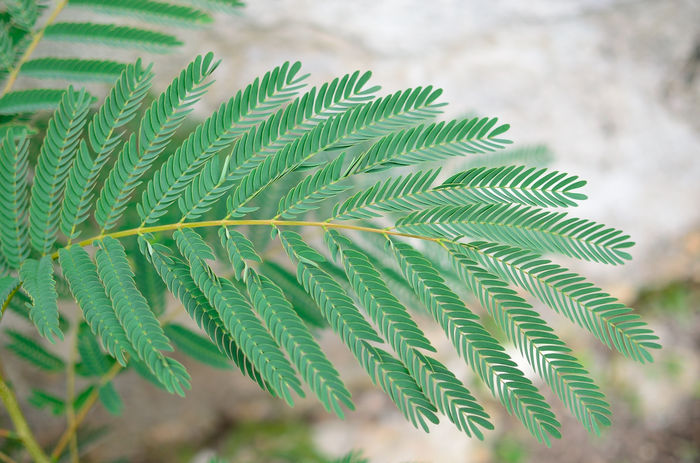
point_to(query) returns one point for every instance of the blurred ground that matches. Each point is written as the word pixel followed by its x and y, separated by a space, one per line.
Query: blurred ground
pixel 612 87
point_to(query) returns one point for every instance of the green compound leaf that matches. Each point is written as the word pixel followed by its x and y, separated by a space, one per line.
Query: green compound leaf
pixel 140 324
pixel 31 351
pixel 56 155
pixel 40 286
pixel 523 226
pixel 111 35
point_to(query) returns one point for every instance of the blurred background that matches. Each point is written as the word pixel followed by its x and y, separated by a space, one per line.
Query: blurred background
pixel 610 87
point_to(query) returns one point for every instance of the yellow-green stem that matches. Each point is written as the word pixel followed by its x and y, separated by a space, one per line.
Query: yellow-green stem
pixel 36 38
pixel 261 222
pixel 20 423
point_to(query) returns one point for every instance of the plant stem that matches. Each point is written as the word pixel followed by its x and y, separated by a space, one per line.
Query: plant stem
pixel 70 395
pixel 36 38
pixel 82 413
pixel 21 427
pixel 261 222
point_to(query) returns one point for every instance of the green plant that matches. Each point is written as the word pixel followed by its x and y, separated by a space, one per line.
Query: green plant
pixel 292 165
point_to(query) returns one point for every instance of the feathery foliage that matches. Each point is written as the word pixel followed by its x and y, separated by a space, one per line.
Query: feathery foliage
pixel 294 159
pixel 14 197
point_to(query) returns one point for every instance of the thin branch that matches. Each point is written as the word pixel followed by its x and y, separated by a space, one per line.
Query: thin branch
pixel 82 413
pixel 261 222
pixel 23 430
pixel 36 38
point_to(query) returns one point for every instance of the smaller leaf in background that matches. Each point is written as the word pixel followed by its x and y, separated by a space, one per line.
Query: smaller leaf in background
pixel 109 398
pixel 31 351
pixel 196 346
pixel 42 399
pixel 29 101
pixel 94 362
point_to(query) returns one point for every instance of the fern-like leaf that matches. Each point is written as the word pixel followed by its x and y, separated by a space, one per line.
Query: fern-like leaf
pixel 29 101
pixel 85 70
pixel 29 350
pixel 523 226
pixel 39 284
pixel 432 142
pixel 508 185
pixel 290 332
pixel 289 124
pixel 238 317
pixel 239 250
pixel 148 10
pixel 356 333
pixel 55 157
pixel 230 121
pixel 14 197
pixel 85 285
pixel 443 389
pixel 305 196
pixel 176 276
pixel 157 127
pixel 483 352
pixel 142 328
pixel 118 109
pixel 548 355
pixel 568 293
pixel 111 35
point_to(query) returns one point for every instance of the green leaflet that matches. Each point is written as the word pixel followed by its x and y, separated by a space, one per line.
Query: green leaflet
pixel 81 274
pixel 506 185
pixel 392 195
pixel 287 125
pixel 109 398
pixel 14 197
pixel 233 118
pixel 546 353
pixel 523 226
pixel 56 155
pixel 566 292
pixel 515 184
pixel 312 190
pixel 483 352
pixel 8 285
pixel 349 324
pixel 432 142
pixel 38 283
pixel 111 35
pixel 302 303
pixel 142 328
pixel 387 312
pixel 238 317
pixel 29 101
pixel 157 127
pixel 239 249
pixel 197 347
pixel 443 389
pixel 176 275
pixel 118 109
pixel 34 353
pixel 291 333
pixel 148 10
pixel 91 70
